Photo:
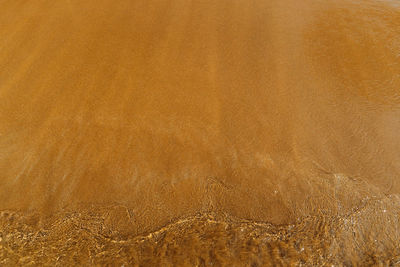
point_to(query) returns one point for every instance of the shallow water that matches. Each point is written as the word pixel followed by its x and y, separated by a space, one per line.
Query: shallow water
pixel 136 115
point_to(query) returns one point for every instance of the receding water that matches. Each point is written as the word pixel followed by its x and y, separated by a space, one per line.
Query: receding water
pixel 215 132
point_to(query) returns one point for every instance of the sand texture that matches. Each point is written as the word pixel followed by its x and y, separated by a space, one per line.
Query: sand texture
pixel 205 133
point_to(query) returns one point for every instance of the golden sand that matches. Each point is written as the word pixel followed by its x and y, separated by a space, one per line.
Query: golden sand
pixel 215 132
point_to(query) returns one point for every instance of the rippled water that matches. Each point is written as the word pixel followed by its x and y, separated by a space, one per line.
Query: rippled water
pixel 126 118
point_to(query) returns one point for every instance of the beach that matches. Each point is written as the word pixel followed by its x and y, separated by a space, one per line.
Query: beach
pixel 199 133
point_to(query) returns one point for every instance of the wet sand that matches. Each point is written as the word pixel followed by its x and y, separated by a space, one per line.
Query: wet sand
pixel 138 132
